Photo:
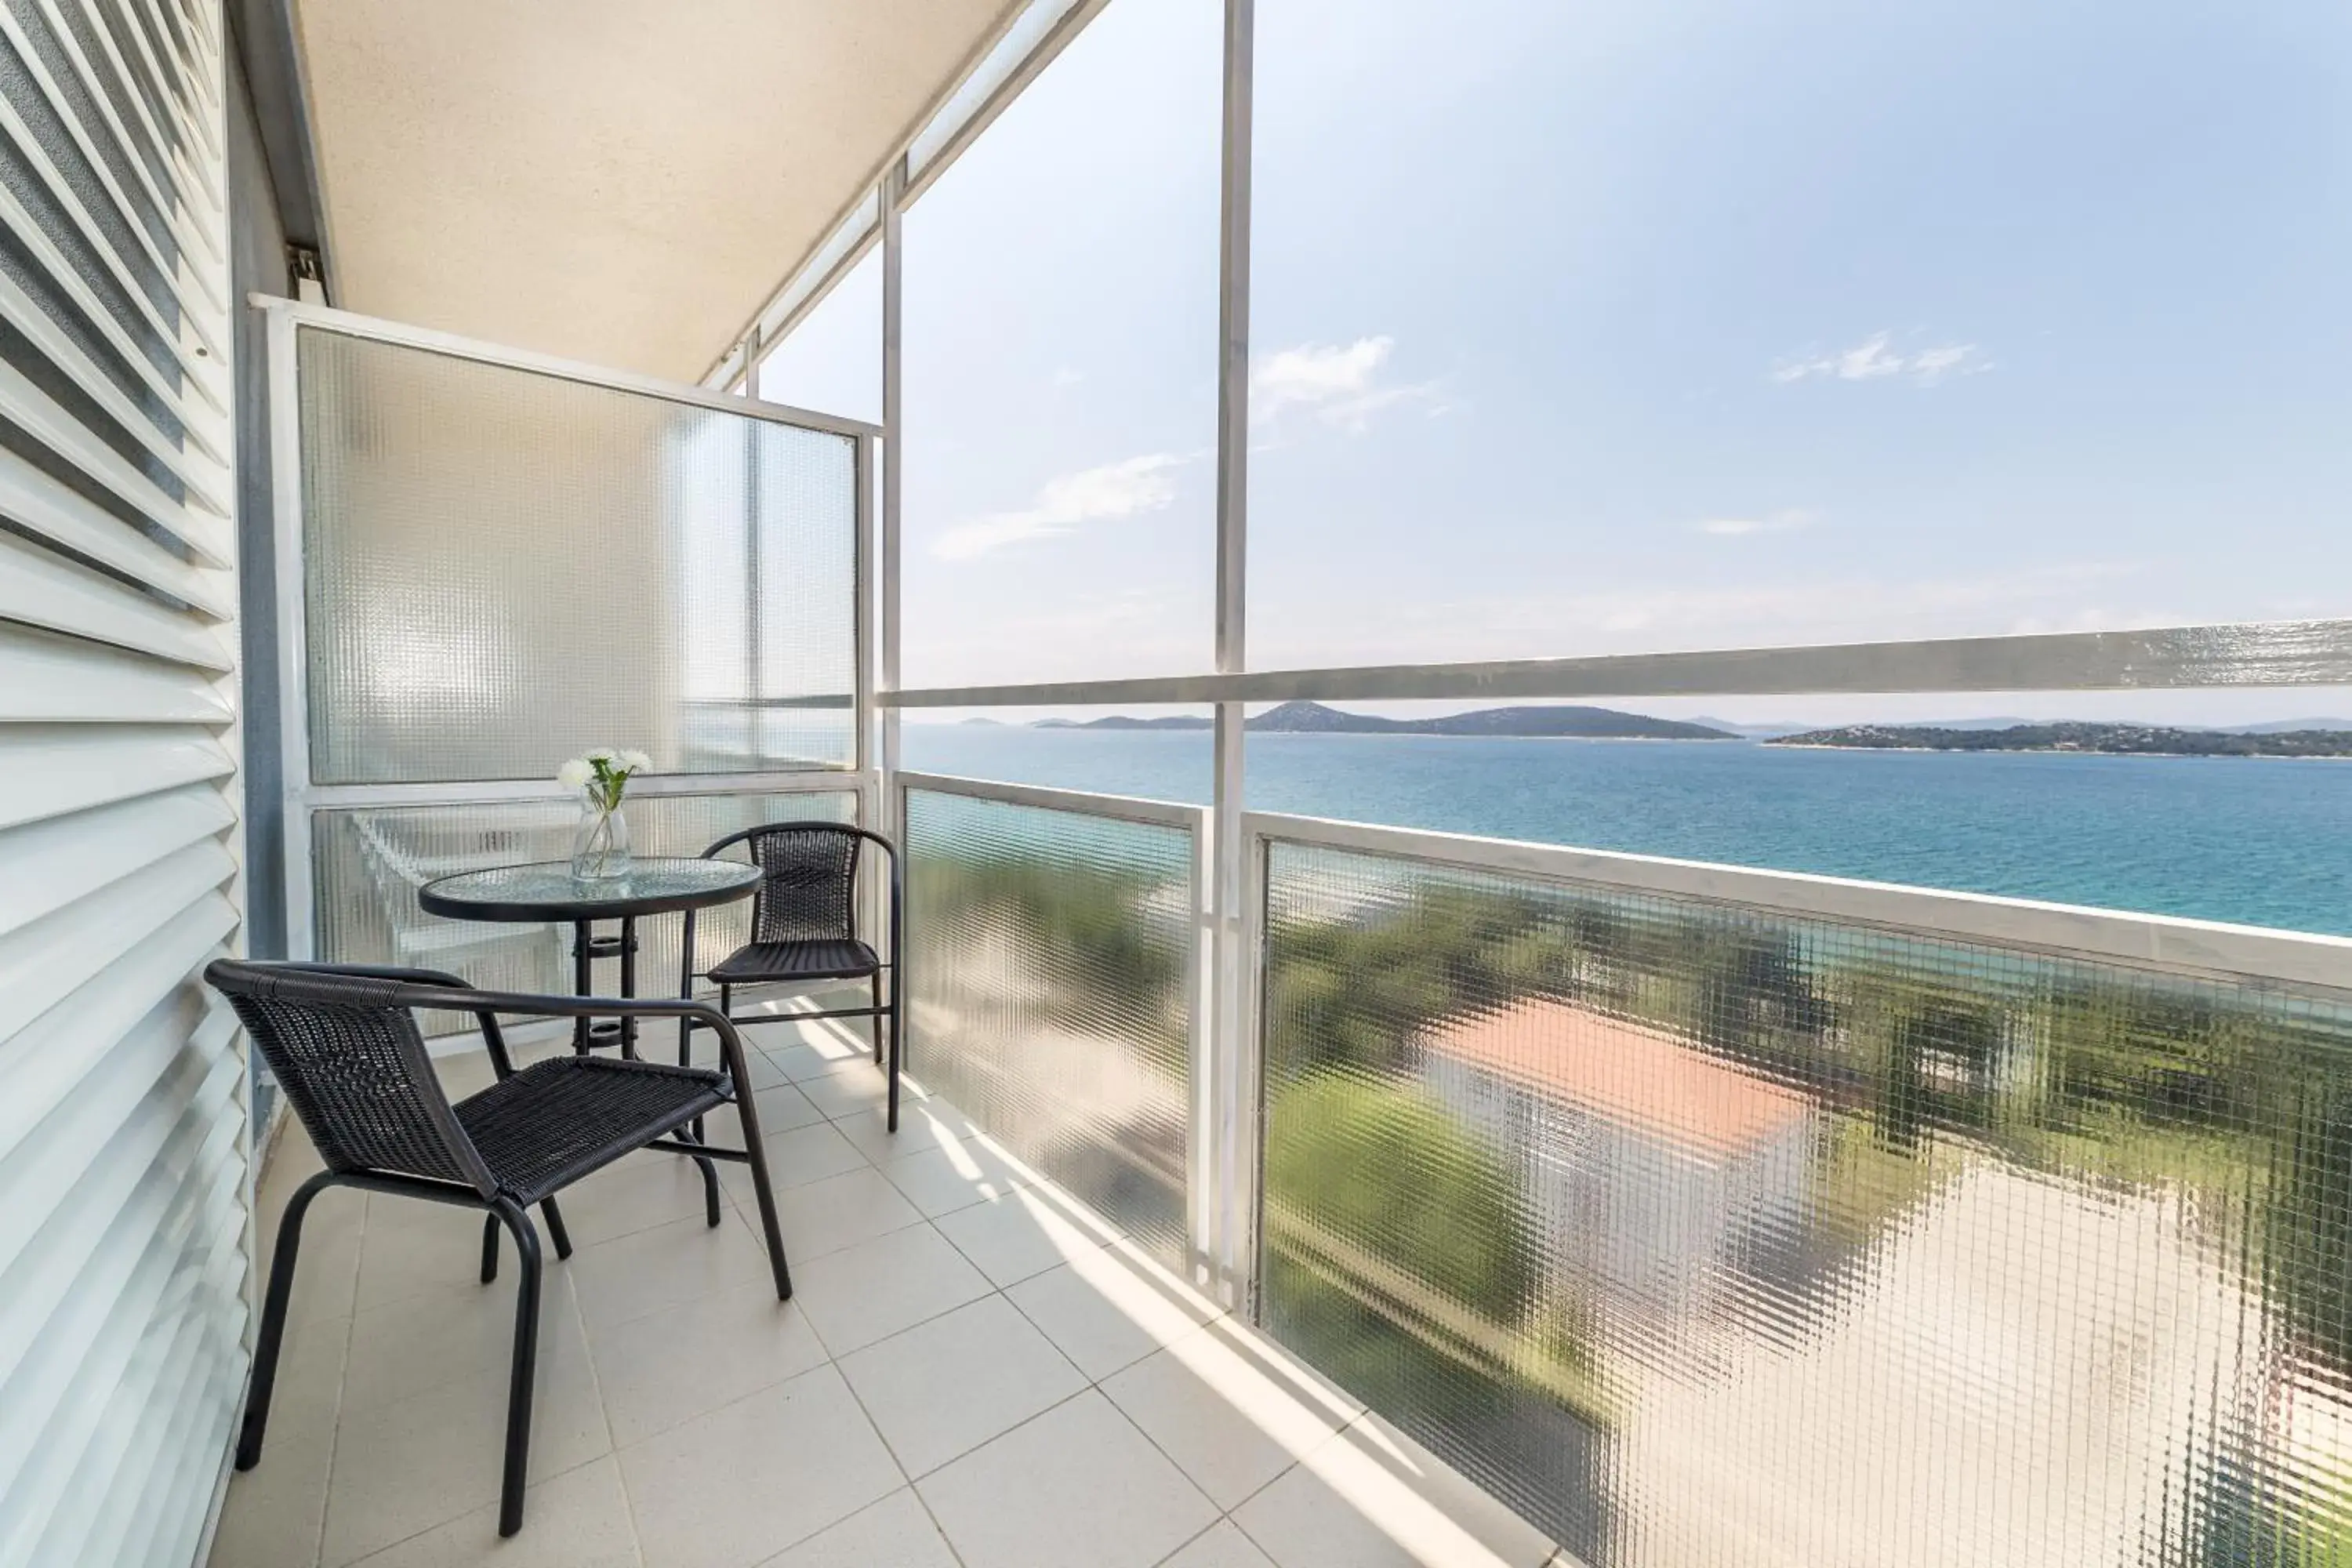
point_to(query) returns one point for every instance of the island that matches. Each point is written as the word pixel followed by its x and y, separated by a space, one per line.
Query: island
pixel 2117 739
pixel 1527 722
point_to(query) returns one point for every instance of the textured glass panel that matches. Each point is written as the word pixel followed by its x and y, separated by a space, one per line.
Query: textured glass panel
pixel 506 568
pixel 1705 1237
pixel 1047 952
pixel 369 861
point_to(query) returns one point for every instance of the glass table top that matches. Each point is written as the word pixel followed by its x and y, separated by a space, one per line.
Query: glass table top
pixel 547 890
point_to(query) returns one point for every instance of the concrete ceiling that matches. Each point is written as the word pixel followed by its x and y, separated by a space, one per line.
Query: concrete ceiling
pixel 617 181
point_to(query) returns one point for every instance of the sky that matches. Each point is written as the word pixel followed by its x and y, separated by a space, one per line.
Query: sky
pixel 1583 329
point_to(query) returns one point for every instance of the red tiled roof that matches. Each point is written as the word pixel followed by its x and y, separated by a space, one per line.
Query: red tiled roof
pixel 1626 1072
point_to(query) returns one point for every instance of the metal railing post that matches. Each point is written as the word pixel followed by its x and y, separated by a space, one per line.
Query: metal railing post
pixel 1224 1143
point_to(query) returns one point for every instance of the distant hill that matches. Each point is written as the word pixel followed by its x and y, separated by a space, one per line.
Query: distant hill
pixel 1123 721
pixel 1315 719
pixel 2123 739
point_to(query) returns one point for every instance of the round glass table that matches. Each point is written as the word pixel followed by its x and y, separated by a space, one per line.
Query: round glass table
pixel 547 891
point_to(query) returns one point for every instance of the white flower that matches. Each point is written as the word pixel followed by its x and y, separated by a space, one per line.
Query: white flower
pixel 575 773
pixel 601 754
pixel 637 762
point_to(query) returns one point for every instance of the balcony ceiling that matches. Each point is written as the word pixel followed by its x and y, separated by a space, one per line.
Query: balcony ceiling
pixel 604 179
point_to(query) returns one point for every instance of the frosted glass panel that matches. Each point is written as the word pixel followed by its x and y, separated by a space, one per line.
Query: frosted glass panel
pixel 1046 965
pixel 1707 1238
pixel 369 863
pixel 506 568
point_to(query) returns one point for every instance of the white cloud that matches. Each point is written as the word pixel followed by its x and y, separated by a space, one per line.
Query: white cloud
pixel 1874 359
pixel 1105 494
pixel 1339 384
pixel 1781 521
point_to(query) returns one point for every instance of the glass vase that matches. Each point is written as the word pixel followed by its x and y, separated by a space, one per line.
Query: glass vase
pixel 600 846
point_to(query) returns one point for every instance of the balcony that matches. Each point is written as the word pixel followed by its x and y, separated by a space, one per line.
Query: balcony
pixel 975 1368
pixel 1303 1187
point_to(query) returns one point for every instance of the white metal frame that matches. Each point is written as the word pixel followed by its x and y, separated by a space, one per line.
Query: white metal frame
pixel 304 796
pixel 1230 879
pixel 1209 1194
pixel 2174 945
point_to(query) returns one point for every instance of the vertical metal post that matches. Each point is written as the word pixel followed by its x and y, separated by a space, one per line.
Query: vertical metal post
pixel 293 630
pixel 862 682
pixel 1225 1148
pixel 894 194
pixel 754 593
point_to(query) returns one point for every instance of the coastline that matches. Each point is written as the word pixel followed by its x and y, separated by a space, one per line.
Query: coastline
pixel 2058 751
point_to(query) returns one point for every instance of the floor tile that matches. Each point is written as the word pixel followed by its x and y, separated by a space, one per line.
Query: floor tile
pixel 1367 1500
pixel 798 1156
pixel 1225 1408
pixel 781 1108
pixel 410 1247
pixel 736 1486
pixel 896 1532
pixel 1220 1546
pixel 450 1333
pixel 841 1211
pixel 669 1366
pixel 1025 1232
pixel 681 1261
pixel 272 1514
pixel 636 1193
pixel 921 1126
pixel 967 1172
pixel 408 1465
pixel 1077 1488
pixel 577 1519
pixel 803 1059
pixel 944 1387
pixel 874 1290
pixel 1106 1312
pixel 949 1117
pixel 856 1088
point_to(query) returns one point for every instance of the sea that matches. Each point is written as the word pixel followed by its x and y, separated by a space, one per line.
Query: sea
pixel 2251 840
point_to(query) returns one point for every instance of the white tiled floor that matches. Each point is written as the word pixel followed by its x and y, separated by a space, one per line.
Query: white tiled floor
pixel 974 1370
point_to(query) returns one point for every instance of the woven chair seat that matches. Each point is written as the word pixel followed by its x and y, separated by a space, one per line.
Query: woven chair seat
pixel 557 1119
pixel 807 960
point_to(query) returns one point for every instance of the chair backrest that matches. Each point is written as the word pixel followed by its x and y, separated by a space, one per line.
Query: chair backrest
pixel 355 1069
pixel 808 881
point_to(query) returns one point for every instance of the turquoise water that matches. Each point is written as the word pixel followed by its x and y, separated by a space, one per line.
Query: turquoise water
pixel 2262 841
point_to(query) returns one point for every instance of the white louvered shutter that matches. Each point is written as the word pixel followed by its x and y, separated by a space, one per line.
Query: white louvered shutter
pixel 123 1145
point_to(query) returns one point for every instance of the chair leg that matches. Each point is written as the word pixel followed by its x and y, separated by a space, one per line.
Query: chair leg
pixel 873 1022
pixel 710 1187
pixel 489 1247
pixel 273 1319
pixel 893 1120
pixel 710 1177
pixel 526 1361
pixel 755 1151
pixel 555 1230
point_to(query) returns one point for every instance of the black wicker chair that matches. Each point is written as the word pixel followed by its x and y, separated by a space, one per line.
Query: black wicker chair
pixel 804 929
pixel 343 1043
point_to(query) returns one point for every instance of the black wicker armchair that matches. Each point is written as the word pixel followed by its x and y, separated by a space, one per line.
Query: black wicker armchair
pixel 804 930
pixel 343 1043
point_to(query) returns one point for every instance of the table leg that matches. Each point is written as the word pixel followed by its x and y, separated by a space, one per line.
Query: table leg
pixel 582 982
pixel 629 983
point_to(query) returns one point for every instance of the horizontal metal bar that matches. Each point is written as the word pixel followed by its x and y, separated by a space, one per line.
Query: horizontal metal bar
pixel 329 797
pixel 352 325
pixel 773 333
pixel 703 1151
pixel 2161 942
pixel 1126 808
pixel 1000 97
pixel 2267 653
